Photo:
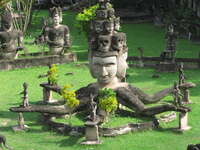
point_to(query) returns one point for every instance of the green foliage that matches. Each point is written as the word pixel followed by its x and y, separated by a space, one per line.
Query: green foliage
pixel 83 19
pixel 107 100
pixel 69 97
pixel 53 75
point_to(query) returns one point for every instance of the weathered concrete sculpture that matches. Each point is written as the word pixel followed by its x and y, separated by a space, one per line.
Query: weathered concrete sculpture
pixel 57 36
pixel 10 39
pixel 25 95
pixel 107 63
pixel 168 63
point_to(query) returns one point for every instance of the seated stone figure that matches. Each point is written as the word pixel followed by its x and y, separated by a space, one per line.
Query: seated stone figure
pixel 57 36
pixel 10 39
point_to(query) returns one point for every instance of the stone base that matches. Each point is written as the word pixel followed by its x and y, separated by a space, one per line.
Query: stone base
pixel 167 67
pixel 183 129
pixel 18 128
pixel 91 142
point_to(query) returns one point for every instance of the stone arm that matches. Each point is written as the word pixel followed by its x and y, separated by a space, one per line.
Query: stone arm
pixel 82 95
pixel 149 99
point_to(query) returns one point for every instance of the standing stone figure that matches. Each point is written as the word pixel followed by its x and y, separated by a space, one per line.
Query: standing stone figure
pixel 177 95
pixel 10 39
pixel 93 107
pixel 171 38
pixel 25 95
pixel 57 36
pixel 181 74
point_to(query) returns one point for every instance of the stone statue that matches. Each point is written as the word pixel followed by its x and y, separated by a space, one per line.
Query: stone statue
pixel 181 74
pixel 10 39
pixel 177 95
pixel 57 36
pixel 93 107
pixel 3 142
pixel 171 37
pixel 25 95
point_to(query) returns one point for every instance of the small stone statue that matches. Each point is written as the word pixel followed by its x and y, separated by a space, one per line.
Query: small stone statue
pixel 10 39
pixel 181 74
pixel 93 107
pixel 177 95
pixel 21 125
pixel 171 38
pixel 25 93
pixel 3 142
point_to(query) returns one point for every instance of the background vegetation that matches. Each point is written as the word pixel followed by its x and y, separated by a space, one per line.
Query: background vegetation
pixel 39 137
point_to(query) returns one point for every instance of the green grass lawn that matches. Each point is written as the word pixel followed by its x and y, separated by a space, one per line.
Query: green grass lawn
pixel 39 137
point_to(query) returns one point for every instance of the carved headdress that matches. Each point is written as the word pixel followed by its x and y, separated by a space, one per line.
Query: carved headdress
pixel 55 10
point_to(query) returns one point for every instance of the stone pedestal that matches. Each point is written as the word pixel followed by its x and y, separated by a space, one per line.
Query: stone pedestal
pixel 21 125
pixel 186 95
pixel 47 96
pixel 183 122
pixel 167 67
pixel 91 133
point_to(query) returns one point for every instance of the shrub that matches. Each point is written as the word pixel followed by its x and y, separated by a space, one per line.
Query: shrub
pixel 107 100
pixel 53 75
pixel 69 96
pixel 83 19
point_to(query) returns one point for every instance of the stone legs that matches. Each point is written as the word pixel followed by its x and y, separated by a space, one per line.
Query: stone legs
pixel 21 125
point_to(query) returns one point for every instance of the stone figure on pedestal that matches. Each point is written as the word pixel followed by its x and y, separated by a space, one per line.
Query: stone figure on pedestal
pixel 57 36
pixel 10 39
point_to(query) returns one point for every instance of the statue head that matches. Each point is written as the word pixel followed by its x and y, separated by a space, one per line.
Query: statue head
pixel 101 14
pixel 6 21
pixel 109 26
pixel 56 15
pixel 104 43
pixel 117 23
pixel 98 26
pixel 171 28
pixel 111 13
pixel 118 41
pixel 105 68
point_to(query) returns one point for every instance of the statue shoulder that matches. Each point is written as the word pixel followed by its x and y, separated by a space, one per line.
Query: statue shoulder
pixel 87 90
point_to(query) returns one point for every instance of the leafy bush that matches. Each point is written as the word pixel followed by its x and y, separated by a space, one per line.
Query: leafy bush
pixel 83 19
pixel 53 74
pixel 69 96
pixel 107 100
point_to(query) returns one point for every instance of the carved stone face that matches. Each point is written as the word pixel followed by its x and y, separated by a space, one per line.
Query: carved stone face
pixel 118 41
pixel 6 25
pixel 104 69
pixel 98 26
pixel 117 24
pixel 102 14
pixel 104 43
pixel 122 65
pixel 109 27
pixel 56 20
pixel 111 13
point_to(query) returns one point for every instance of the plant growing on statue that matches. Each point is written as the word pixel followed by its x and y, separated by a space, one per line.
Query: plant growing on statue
pixel 53 75
pixel 107 100
pixel 69 96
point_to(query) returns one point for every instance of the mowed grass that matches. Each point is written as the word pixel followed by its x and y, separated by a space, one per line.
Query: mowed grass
pixel 39 137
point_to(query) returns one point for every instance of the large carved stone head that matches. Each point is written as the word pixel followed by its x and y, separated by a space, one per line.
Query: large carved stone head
pixel 105 69
pixel 104 43
pixel 109 26
pixel 118 41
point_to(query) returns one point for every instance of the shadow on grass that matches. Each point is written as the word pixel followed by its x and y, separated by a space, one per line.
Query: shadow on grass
pixel 71 141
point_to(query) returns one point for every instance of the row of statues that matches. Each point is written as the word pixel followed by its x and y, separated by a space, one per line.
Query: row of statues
pixel 56 36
